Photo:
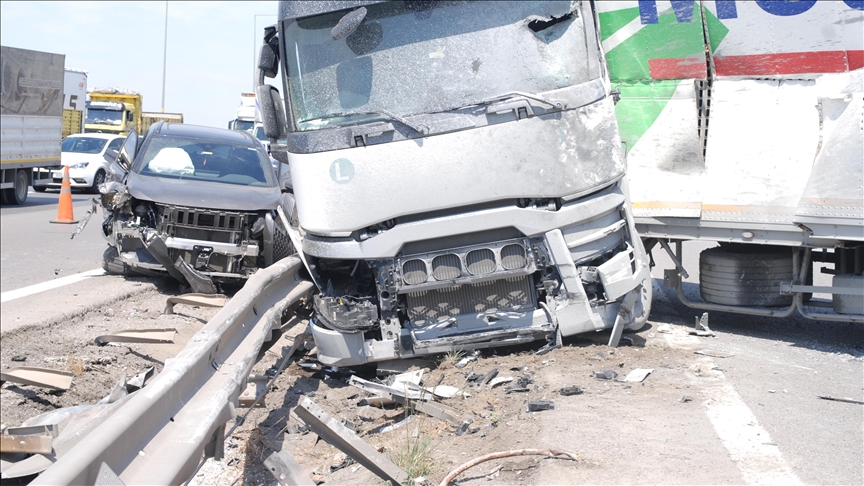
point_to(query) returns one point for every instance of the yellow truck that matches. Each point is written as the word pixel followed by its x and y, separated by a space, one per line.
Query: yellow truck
pixel 113 110
pixel 148 119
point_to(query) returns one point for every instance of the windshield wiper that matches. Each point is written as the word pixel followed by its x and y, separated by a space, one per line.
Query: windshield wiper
pixel 512 94
pixel 421 129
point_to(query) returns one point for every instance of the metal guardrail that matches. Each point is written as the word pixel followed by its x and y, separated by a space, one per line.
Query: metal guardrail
pixel 159 435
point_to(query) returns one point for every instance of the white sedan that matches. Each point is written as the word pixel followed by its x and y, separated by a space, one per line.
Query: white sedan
pixel 88 155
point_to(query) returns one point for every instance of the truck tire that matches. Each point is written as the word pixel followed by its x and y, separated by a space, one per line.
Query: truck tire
pixel 643 306
pixel 745 275
pixel 99 178
pixel 18 193
pixel 40 188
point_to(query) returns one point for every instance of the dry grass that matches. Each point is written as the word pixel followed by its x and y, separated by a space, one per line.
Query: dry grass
pixel 415 456
pixel 76 365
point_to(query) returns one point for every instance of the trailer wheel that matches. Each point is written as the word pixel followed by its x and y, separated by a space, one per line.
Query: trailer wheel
pixel 18 193
pixel 40 188
pixel 745 275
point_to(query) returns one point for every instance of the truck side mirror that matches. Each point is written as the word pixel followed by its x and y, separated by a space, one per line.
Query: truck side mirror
pixel 268 60
pixel 272 112
pixel 129 116
pixel 128 150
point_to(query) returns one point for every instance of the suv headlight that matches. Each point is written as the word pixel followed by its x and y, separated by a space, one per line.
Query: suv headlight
pixel 79 165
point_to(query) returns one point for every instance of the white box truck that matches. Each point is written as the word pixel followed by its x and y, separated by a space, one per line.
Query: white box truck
pixel 31 118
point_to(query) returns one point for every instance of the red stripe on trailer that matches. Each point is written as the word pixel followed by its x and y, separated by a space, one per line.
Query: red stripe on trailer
pixel 856 59
pixel 684 68
pixel 785 63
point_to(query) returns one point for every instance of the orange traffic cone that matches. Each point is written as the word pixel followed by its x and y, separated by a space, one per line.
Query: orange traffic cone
pixel 64 208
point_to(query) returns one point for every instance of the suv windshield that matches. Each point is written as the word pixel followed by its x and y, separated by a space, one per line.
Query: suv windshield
pixel 414 57
pixel 82 145
pixel 104 117
pixel 205 160
pixel 243 124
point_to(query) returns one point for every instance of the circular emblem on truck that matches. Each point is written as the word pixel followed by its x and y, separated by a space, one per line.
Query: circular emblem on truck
pixel 342 171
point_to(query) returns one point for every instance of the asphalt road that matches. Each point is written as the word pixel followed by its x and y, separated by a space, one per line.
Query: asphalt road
pixel 766 418
pixel 35 250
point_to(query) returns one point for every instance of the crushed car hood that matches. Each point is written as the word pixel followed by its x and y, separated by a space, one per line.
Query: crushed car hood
pixel 209 195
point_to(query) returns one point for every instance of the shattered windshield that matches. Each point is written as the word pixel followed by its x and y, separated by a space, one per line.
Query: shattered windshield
pixel 104 117
pixel 82 145
pixel 205 160
pixel 412 57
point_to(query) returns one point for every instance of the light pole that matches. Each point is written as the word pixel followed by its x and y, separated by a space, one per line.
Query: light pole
pixel 165 56
pixel 255 49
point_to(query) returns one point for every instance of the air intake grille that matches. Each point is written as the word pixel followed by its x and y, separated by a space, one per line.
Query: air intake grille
pixel 506 294
pixel 414 272
pixel 480 262
pixel 513 257
pixel 446 267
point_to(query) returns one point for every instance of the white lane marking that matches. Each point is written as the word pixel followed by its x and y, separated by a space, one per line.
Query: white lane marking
pixel 750 446
pixel 50 285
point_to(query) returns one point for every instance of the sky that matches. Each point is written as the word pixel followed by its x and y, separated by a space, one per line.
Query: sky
pixel 210 53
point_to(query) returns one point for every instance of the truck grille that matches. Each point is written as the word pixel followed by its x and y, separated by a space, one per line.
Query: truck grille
pixel 427 307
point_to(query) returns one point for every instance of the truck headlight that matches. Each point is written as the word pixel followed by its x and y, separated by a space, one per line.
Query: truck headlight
pixel 79 165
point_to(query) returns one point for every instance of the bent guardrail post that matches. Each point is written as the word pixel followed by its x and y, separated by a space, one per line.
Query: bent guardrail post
pixel 160 434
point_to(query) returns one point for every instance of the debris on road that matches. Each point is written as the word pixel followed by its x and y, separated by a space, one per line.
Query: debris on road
pixel 33 444
pixel 835 399
pixel 639 374
pixel 337 435
pixel 203 300
pixel 44 377
pixel 714 353
pixel 685 399
pixel 540 405
pixel 150 336
pixel 607 375
pixel 467 359
pixel 499 381
pixel 570 391
pixel 700 328
pixel 286 470
pixel 500 455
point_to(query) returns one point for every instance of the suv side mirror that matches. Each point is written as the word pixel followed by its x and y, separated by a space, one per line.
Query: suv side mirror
pixel 128 150
pixel 272 112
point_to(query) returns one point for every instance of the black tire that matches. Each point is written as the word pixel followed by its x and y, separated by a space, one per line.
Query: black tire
pixel 643 306
pixel 18 193
pixel 114 265
pixel 5 194
pixel 99 178
pixel 40 188
pixel 282 245
pixel 744 275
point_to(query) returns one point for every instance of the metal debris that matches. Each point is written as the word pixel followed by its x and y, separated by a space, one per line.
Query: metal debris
pixel 467 359
pixel 286 470
pixel 139 336
pixel 685 399
pixel 34 444
pixel 138 381
pixel 256 387
pixel 700 328
pixel 847 400
pixel 44 377
pixel 540 405
pixel 639 374
pixel 446 391
pixel 203 300
pixel 346 441
pixel 570 391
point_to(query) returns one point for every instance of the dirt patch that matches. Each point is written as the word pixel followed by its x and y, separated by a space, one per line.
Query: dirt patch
pixel 69 345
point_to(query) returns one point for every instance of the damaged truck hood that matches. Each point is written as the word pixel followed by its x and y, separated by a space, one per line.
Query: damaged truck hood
pixel 198 194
